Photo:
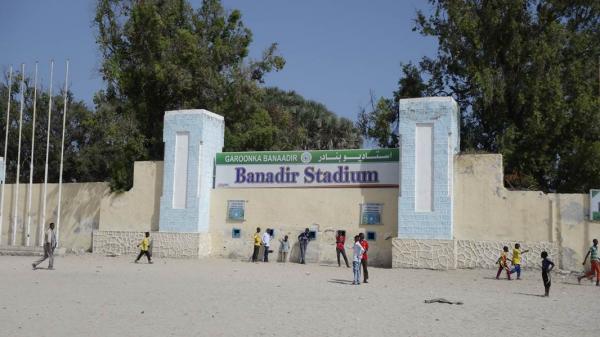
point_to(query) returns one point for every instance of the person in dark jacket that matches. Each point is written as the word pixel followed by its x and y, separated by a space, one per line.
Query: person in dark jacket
pixel 303 239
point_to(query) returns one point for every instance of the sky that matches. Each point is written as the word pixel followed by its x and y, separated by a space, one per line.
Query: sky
pixel 336 52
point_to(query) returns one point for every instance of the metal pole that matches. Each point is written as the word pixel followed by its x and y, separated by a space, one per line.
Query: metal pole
pixel 62 150
pixel 16 209
pixel 43 224
pixel 5 150
pixel 32 156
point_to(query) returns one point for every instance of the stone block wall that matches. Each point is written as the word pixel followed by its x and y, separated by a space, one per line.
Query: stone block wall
pixel 464 254
pixel 484 254
pixel 423 254
pixel 164 244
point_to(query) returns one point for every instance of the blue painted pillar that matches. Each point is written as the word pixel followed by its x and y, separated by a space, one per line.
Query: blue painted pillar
pixel 429 139
pixel 192 139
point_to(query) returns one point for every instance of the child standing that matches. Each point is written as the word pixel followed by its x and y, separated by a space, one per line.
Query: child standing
pixel 284 249
pixel 516 260
pixel 503 263
pixel 547 267
pixel 144 245
pixel 357 252
pixel 266 241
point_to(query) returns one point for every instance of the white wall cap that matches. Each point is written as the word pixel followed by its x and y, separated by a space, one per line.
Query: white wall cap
pixel 194 112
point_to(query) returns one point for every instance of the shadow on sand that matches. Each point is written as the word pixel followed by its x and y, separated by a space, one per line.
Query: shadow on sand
pixel 495 279
pixel 534 295
pixel 338 281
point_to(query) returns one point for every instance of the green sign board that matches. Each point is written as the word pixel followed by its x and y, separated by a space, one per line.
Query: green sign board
pixel 308 157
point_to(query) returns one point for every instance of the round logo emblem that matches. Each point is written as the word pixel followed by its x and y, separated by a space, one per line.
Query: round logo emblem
pixel 306 157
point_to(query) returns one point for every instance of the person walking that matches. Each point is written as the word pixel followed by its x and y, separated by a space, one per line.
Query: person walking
pixel 502 263
pixel 144 248
pixel 340 240
pixel 257 244
pixel 364 261
pixel 516 260
pixel 357 252
pixel 49 246
pixel 266 241
pixel 593 254
pixel 303 239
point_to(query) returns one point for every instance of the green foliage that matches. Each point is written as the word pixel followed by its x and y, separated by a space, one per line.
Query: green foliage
pixel 165 55
pixel 94 141
pixel 376 123
pixel 525 74
pixel 307 125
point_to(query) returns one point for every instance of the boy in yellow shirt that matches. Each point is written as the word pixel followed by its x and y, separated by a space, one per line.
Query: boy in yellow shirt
pixel 257 243
pixel 503 262
pixel 144 248
pixel 516 260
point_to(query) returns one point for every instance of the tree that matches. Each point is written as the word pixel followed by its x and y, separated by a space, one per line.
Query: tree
pixel 164 55
pixel 306 125
pixel 524 73
pixel 95 141
pixel 377 122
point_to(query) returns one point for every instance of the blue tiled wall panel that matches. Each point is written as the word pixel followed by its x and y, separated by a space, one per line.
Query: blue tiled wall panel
pixel 442 112
pixel 204 128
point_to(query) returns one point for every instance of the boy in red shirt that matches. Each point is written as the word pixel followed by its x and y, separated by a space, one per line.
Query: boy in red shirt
pixel 364 260
pixel 340 239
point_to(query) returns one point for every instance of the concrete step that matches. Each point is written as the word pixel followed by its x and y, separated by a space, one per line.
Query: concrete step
pixel 27 251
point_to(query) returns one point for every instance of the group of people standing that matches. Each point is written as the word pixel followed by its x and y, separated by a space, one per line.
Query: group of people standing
pixel 359 250
pixel 284 245
pixel 359 255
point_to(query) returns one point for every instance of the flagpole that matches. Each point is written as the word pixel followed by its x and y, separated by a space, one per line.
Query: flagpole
pixel 5 151
pixel 43 224
pixel 32 156
pixel 16 193
pixel 62 150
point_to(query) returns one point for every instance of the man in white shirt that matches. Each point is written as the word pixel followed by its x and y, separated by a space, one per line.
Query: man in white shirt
pixel 357 252
pixel 266 240
pixel 49 245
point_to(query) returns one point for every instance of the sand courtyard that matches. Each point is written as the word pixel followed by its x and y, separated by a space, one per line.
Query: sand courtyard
pixel 110 296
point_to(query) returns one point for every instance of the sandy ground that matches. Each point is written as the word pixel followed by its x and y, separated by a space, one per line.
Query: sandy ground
pixel 103 296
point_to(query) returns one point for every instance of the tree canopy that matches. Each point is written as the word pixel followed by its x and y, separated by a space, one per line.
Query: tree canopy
pixel 166 55
pixel 95 141
pixel 158 56
pixel 525 75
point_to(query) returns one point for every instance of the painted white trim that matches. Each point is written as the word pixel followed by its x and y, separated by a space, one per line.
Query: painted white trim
pixel 180 169
pixel 193 112
pixel 424 167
